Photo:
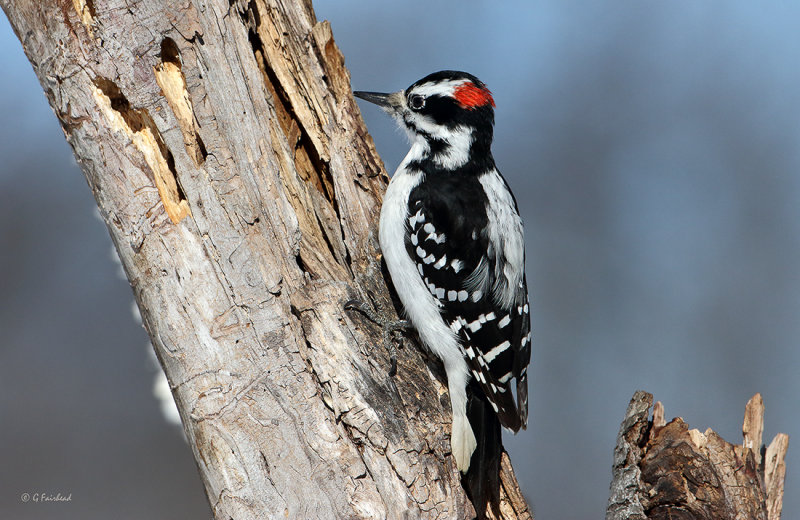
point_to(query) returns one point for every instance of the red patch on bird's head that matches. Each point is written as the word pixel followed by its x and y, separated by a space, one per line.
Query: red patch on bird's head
pixel 470 96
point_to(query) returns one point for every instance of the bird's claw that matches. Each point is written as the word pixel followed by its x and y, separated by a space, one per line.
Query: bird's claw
pixel 387 325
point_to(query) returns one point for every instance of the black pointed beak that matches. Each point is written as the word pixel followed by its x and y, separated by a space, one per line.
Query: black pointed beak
pixel 379 98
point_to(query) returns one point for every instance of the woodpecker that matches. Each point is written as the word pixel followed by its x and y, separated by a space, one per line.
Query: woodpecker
pixel 452 240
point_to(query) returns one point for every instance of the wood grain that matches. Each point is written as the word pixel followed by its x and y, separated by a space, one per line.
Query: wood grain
pixel 241 190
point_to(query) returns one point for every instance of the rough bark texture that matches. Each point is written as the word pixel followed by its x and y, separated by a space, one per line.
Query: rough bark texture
pixel 665 471
pixel 237 181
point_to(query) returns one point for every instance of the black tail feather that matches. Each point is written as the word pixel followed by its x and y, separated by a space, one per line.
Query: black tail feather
pixel 482 481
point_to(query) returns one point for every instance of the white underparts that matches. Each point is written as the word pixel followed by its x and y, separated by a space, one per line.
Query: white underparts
pixel 422 308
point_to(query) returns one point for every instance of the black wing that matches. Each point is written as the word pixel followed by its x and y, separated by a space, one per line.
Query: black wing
pixel 448 239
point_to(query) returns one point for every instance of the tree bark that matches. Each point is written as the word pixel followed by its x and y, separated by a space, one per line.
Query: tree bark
pixel 665 471
pixel 241 190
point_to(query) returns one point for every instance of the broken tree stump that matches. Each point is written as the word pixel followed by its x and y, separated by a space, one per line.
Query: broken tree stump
pixel 667 471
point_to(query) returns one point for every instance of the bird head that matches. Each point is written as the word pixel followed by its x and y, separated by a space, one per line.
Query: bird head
pixel 449 115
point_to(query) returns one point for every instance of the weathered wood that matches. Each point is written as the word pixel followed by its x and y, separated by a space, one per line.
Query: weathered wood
pixel 238 183
pixel 624 502
pixel 774 474
pixel 667 471
pixel 512 502
pixel 753 426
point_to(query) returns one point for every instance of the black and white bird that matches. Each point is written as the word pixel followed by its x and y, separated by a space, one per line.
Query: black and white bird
pixel 452 239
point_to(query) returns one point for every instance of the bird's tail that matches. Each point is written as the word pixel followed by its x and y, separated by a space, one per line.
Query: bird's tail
pixel 482 480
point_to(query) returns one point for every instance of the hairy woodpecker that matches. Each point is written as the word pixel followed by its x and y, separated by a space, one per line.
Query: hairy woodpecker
pixel 452 239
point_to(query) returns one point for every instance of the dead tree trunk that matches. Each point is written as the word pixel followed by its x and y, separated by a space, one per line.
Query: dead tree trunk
pixel 665 471
pixel 237 181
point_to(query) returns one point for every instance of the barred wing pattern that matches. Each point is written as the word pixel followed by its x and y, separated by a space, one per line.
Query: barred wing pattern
pixel 451 247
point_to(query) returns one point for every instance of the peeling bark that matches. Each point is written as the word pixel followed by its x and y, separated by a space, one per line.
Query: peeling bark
pixel 667 471
pixel 241 190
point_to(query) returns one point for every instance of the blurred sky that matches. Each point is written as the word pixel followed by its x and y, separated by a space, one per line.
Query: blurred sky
pixel 653 149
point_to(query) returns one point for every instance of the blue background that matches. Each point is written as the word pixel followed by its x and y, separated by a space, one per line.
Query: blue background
pixel 653 149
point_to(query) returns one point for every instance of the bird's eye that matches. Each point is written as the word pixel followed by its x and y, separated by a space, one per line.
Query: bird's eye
pixel 416 102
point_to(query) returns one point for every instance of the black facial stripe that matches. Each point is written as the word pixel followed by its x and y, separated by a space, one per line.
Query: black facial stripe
pixel 410 124
pixel 435 144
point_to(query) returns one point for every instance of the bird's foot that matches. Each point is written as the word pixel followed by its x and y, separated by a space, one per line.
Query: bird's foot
pixel 388 326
